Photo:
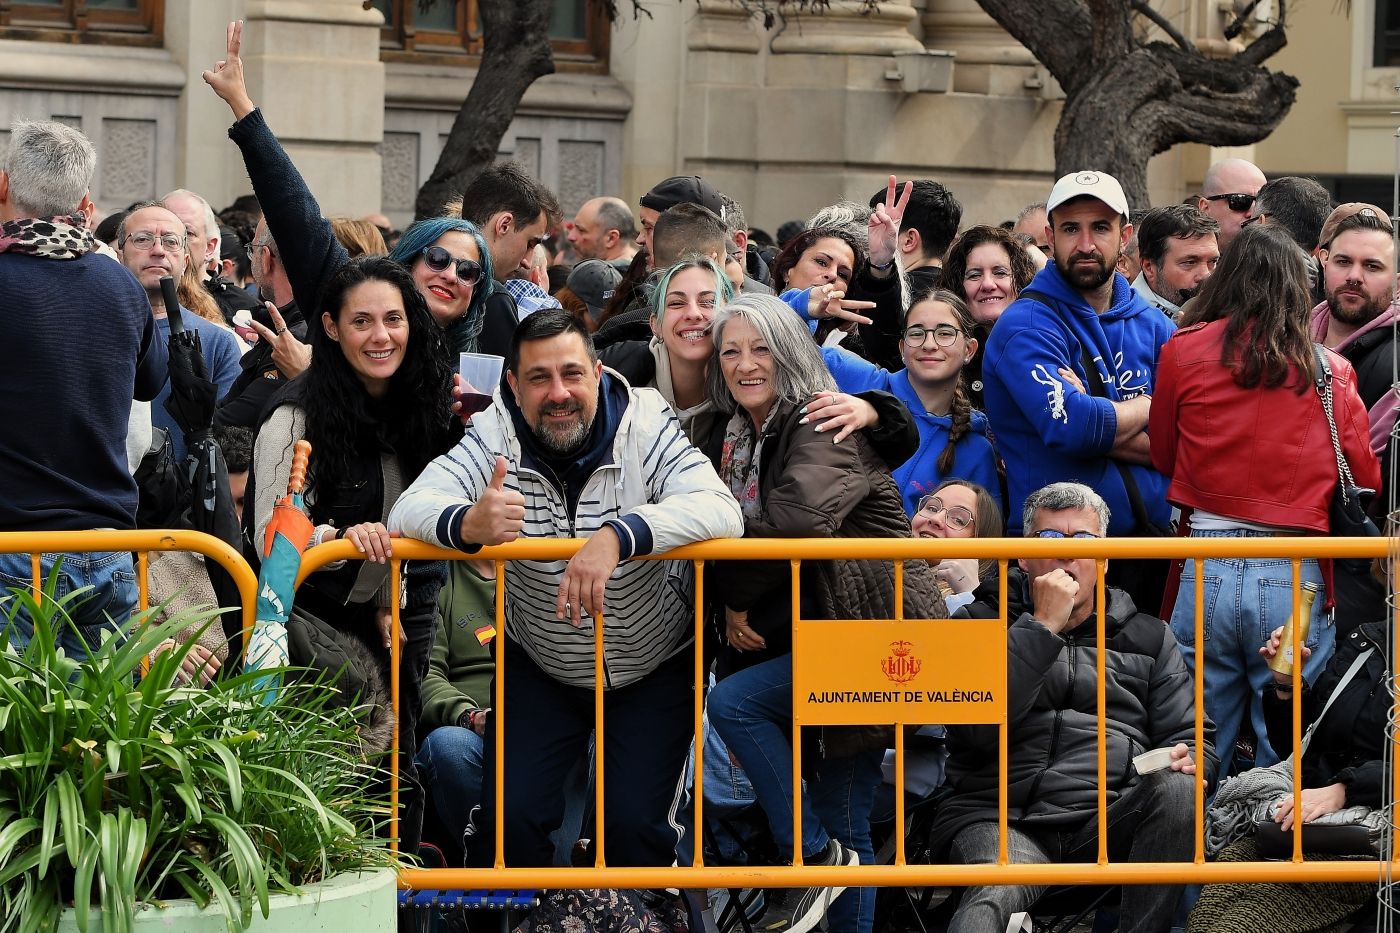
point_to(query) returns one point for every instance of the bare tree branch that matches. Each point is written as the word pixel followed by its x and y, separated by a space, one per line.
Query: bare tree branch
pixel 1053 30
pixel 1163 24
pixel 1110 29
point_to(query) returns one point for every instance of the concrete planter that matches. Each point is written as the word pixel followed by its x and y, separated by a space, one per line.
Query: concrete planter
pixel 365 903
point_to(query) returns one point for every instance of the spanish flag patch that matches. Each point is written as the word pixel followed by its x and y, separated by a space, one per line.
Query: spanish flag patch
pixel 484 633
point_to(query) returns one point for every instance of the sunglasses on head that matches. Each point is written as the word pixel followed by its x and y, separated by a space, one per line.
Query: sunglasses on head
pixel 1057 533
pixel 468 270
pixel 1239 203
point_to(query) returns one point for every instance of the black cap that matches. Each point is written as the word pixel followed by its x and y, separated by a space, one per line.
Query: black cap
pixel 683 189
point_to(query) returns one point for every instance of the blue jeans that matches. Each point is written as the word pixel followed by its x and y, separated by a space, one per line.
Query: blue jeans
pixel 1245 600
pixel 105 608
pixel 751 710
pixel 450 763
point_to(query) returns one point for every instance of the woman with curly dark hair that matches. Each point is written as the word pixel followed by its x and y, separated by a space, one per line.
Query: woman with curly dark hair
pixel 988 267
pixel 375 405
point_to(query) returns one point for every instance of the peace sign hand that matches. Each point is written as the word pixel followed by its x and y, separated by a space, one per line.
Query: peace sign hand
pixel 884 223
pixel 227 76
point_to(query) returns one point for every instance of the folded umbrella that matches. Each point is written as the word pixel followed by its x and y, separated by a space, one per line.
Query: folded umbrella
pixel 288 533
pixel 206 504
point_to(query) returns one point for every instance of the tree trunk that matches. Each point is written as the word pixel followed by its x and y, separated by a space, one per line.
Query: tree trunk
pixel 1125 101
pixel 515 52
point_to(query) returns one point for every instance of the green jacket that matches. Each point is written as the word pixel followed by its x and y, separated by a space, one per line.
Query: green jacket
pixel 461 668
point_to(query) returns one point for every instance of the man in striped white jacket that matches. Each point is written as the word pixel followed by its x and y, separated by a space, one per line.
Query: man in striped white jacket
pixel 572 451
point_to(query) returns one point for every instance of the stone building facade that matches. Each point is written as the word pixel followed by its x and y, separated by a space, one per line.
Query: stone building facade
pixel 785 120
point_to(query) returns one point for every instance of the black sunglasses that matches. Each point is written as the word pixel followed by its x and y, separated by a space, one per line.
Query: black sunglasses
pixel 1239 203
pixel 468 270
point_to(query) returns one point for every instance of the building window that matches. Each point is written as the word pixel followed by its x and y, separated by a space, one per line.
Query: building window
pixel 450 30
pixel 1387 53
pixel 118 22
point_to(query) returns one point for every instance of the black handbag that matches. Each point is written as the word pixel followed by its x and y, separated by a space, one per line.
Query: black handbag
pixel 1319 838
pixel 1347 516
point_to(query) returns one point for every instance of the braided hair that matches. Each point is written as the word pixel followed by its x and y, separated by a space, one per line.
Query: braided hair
pixel 962 403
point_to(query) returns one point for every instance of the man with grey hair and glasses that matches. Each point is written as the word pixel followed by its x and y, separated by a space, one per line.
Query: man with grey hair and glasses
pixel 1052 714
pixel 77 345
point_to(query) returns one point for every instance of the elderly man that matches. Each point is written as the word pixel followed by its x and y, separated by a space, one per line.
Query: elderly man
pixel 1052 779
pixel 572 451
pixel 1227 194
pixel 152 244
pixel 202 231
pixel 78 344
pixel 604 228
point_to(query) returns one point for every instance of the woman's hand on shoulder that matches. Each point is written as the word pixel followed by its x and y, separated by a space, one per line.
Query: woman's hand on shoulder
pixel 839 412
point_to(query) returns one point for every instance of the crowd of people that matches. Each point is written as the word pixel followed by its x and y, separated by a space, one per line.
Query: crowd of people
pixel 1088 369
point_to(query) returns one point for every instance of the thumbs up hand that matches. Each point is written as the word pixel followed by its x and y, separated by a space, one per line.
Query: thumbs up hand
pixel 498 514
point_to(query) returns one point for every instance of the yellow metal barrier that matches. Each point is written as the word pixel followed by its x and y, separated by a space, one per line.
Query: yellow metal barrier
pixel 38 543
pixel 1003 550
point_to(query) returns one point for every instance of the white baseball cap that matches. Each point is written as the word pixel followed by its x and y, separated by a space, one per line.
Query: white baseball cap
pixel 1088 184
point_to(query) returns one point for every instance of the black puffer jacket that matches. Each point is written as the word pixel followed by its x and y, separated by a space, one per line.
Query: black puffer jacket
pixel 1052 714
pixel 1349 744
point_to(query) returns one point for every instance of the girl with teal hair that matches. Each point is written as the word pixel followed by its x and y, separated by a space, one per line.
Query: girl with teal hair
pixel 451 267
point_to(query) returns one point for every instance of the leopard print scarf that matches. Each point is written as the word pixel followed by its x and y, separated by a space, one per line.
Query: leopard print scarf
pixel 49 237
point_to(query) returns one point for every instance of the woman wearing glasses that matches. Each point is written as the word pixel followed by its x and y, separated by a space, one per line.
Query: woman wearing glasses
pixel 448 258
pixel 959 509
pixel 792 482
pixel 1238 427
pixel 935 344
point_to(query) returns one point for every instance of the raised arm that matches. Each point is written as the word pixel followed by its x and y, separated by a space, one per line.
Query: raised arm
pixel 306 243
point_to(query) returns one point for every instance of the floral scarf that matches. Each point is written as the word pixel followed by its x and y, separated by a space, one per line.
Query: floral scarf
pixel 740 457
pixel 49 237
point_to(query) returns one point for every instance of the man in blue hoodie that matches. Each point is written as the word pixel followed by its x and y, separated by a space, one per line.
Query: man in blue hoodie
pixel 1055 419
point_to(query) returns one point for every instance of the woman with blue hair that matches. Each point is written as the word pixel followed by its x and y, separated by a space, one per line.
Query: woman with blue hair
pixel 451 267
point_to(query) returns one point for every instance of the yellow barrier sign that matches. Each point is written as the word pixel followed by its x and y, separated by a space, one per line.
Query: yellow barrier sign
pixel 863 672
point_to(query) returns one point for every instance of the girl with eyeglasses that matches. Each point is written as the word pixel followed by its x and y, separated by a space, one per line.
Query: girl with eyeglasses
pixel 936 343
pixel 358 432
pixel 960 509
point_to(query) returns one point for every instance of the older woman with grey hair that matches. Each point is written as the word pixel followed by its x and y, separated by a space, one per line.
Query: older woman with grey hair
pixel 793 482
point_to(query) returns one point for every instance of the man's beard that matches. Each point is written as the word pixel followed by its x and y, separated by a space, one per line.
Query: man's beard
pixel 1091 278
pixel 565 441
pixel 1369 310
pixel 1181 296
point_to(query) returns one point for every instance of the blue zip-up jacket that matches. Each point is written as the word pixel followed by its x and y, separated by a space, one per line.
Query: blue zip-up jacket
pixel 1047 430
pixel 974 458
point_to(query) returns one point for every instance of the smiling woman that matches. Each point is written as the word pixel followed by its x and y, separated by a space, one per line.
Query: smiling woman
pixel 375 406
pixel 791 481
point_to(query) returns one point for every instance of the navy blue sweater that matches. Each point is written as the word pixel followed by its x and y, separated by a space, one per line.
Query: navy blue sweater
pixel 77 345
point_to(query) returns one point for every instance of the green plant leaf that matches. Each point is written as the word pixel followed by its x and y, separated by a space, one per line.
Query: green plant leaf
pixel 68 811
pixel 245 854
pixel 47 837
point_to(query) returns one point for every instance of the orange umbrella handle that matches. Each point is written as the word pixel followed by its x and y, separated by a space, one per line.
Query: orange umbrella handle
pixel 301 453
